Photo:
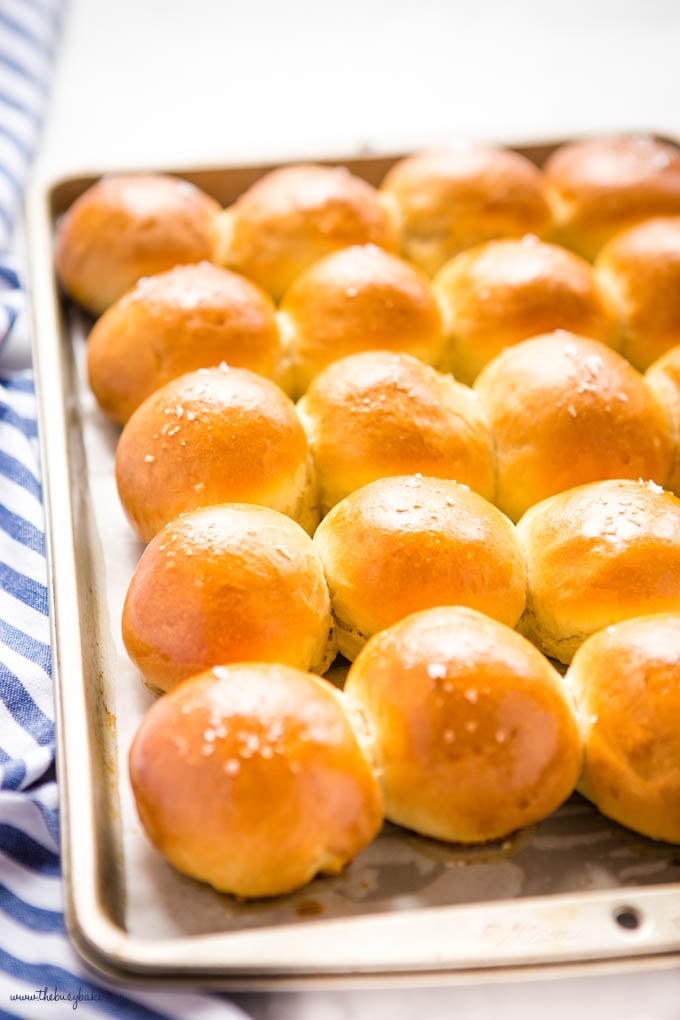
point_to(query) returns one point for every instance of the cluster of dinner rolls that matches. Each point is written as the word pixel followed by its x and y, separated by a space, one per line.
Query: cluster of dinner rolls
pixel 429 423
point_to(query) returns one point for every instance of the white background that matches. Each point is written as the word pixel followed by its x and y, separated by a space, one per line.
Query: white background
pixel 179 82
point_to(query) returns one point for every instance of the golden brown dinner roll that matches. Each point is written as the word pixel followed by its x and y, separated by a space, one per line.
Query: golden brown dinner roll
pixel 404 544
pixel 473 728
pixel 626 679
pixel 378 413
pixel 217 435
pixel 596 555
pixel 453 198
pixel 190 317
pixel 228 583
pixel 358 299
pixel 599 186
pixel 128 226
pixel 663 377
pixel 640 269
pixel 501 292
pixel 249 777
pixel 295 215
pixel 565 410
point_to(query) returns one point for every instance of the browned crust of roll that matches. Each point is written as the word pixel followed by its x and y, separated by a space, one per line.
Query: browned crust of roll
pixel 475 732
pixel 627 681
pixel 128 226
pixel 249 777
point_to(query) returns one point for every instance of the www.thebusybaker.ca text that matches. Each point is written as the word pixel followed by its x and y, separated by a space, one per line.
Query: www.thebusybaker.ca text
pixel 54 995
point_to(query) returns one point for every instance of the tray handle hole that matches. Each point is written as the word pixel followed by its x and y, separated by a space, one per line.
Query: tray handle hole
pixel 628 918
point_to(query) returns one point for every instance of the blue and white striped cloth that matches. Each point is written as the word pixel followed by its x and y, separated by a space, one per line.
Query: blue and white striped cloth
pixel 40 974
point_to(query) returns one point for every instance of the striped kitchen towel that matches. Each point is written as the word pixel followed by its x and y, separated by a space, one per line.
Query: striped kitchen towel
pixel 40 974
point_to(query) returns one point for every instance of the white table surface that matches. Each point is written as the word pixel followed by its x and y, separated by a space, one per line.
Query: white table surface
pixel 178 82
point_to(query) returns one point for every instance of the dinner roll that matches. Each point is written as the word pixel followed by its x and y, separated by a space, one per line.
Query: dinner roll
pixel 358 299
pixel 596 555
pixel 295 215
pixel 583 414
pixel 250 777
pixel 474 730
pixel 408 543
pixel 128 226
pixel 171 323
pixel 627 680
pixel 228 583
pixel 217 435
pixel 501 292
pixel 663 377
pixel 453 198
pixel 640 268
pixel 599 186
pixel 378 413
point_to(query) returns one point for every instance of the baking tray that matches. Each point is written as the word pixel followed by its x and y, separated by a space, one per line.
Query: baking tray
pixel 575 893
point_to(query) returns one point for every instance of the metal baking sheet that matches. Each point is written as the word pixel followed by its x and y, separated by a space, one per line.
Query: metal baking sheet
pixel 576 891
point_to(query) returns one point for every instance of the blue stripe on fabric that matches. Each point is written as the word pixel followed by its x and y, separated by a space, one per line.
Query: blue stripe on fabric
pixel 27 851
pixel 20 107
pixel 26 645
pixel 13 771
pixel 4 1015
pixel 10 275
pixel 36 918
pixel 27 426
pixel 24 148
pixel 5 218
pixel 17 472
pixel 45 11
pixel 12 180
pixel 11 314
pixel 50 816
pixel 107 1001
pixel 13 65
pixel 26 34
pixel 25 589
pixel 21 530
pixel 23 709
pixel 21 383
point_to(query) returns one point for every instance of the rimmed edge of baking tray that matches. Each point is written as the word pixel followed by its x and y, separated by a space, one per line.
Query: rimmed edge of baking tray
pixel 518 938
